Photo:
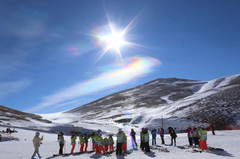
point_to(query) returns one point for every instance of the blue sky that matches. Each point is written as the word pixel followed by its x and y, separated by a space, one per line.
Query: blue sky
pixel 51 59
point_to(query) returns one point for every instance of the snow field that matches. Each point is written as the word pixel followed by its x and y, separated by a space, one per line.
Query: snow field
pixel 23 148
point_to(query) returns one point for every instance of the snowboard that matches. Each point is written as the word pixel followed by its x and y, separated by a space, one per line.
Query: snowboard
pixel 215 149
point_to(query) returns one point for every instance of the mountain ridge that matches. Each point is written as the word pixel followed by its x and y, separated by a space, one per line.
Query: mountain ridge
pixel 179 102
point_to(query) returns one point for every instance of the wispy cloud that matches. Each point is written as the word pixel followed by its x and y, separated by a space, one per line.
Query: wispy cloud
pixel 135 67
pixel 11 60
pixel 66 103
pixel 9 88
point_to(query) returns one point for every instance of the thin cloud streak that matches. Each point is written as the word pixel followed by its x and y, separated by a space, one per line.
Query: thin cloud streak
pixel 135 67
pixel 9 88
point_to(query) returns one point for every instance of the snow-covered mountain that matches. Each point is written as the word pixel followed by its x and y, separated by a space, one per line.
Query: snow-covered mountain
pixel 12 117
pixel 179 102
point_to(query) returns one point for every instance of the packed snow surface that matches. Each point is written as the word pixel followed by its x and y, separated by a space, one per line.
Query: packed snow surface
pixel 21 147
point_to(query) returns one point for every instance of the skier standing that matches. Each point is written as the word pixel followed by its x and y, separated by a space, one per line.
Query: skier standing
pixel 61 142
pixel 81 140
pixel 133 137
pixel 124 144
pixel 141 138
pixel 173 135
pixel 203 138
pixel 145 140
pixel 195 136
pixel 36 143
pixel 96 142
pixel 0 137
pixel 73 142
pixel 106 144
pixel 111 142
pixel 99 141
pixel 154 135
pixel 190 136
pixel 93 136
pixel 120 138
pixel 212 126
pixel 85 137
pixel 162 135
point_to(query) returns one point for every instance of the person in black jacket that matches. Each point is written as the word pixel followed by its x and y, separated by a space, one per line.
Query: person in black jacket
pixel 145 140
pixel 173 135
pixel 141 138
pixel 133 135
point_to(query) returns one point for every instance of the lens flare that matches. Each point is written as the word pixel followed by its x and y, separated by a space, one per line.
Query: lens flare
pixel 110 37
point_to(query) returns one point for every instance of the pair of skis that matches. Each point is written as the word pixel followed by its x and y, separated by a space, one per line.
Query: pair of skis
pixel 68 154
pixel 162 149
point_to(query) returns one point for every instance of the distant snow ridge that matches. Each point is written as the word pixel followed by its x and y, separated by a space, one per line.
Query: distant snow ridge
pixel 179 102
pixel 221 82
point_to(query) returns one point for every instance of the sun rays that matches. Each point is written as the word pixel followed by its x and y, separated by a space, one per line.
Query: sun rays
pixel 112 38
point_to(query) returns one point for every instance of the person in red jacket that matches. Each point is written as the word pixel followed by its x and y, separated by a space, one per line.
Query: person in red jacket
pixel 161 132
pixel 212 126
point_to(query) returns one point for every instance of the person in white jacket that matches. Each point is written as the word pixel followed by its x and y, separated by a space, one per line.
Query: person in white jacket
pixel 36 143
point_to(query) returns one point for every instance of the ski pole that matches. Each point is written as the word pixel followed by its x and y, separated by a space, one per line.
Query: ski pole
pixel 65 146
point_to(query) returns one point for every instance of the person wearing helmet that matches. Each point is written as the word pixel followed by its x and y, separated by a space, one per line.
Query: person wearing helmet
pixel 145 140
pixel 120 138
pixel 199 132
pixel 36 143
pixel 106 144
pixel 195 136
pixel 85 136
pixel 73 142
pixel 111 142
pixel 93 137
pixel 61 142
pixel 99 141
pixel 99 131
pixel 124 144
pixel 96 144
pixel 81 140
pixel 203 138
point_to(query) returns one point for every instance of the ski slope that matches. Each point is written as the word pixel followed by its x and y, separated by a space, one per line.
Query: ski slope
pixel 22 148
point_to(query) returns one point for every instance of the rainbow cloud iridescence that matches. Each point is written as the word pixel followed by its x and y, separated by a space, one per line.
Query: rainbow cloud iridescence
pixel 134 67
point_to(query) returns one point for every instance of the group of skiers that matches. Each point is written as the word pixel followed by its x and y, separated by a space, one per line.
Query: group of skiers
pixel 99 144
pixel 198 136
pixel 172 133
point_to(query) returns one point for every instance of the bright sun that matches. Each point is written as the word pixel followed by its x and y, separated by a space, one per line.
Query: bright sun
pixel 114 41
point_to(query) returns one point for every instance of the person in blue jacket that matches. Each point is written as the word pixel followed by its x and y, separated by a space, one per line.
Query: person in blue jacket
pixel 154 135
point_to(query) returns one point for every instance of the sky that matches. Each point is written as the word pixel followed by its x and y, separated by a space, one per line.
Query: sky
pixel 59 54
